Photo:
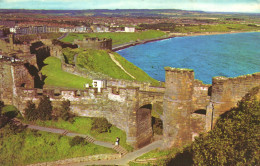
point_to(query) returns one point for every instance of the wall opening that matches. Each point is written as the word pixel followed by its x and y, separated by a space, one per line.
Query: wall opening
pixel 157 123
pixel 144 132
pixel 200 111
pixel 22 85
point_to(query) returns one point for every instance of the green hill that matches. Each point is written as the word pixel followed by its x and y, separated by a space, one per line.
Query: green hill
pixel 99 61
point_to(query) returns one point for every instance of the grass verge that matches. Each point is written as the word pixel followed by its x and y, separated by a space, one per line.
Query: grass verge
pixel 32 146
pixel 82 125
pixel 56 77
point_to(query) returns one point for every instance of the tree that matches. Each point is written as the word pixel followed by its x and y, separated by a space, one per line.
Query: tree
pixel 1 107
pixel 3 119
pixel 44 109
pixel 100 125
pixel 235 138
pixel 30 111
pixel 65 111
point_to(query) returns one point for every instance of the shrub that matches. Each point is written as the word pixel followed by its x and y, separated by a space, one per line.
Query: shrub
pixel 65 113
pixel 1 106
pixel 44 109
pixel 30 111
pixel 235 137
pixel 100 125
pixel 77 140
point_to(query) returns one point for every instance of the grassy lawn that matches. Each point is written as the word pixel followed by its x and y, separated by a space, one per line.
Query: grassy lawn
pixel 31 146
pixel 117 37
pixel 216 28
pixel 83 125
pixel 56 77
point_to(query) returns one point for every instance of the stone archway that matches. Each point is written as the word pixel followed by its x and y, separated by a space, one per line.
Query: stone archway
pixel 144 130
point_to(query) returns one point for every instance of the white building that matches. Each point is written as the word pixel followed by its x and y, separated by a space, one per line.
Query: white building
pixel 129 29
pixel 13 29
pixel 99 84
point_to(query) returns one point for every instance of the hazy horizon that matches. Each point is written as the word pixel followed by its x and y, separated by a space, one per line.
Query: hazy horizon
pixel 240 6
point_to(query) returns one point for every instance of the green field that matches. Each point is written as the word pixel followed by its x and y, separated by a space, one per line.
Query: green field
pixel 83 125
pixel 31 146
pixel 117 37
pixel 56 77
pixel 216 28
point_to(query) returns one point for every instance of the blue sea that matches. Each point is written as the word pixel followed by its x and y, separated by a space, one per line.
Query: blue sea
pixel 229 55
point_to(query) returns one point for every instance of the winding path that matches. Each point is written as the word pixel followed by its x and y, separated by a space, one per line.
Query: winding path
pixel 64 35
pixel 126 157
pixel 119 65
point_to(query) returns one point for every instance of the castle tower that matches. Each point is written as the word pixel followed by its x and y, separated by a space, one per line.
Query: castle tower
pixel 177 106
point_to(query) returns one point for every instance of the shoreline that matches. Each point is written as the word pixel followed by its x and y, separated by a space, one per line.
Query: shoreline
pixel 172 35
pixel 126 45
pixel 213 33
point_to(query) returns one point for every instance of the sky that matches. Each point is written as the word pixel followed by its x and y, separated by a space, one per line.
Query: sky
pixel 247 6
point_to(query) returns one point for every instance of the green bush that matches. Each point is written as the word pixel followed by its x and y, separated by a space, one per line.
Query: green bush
pixel 65 113
pixel 235 138
pixel 101 125
pixel 44 109
pixel 77 140
pixel 30 112
pixel 1 106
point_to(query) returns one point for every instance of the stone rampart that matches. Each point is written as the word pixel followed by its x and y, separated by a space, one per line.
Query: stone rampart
pixel 191 107
pixel 120 109
pixel 226 92
pixel 177 106
pixel 8 48
pixel 94 43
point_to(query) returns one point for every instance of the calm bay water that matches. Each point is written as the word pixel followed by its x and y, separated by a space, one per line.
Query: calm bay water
pixel 229 55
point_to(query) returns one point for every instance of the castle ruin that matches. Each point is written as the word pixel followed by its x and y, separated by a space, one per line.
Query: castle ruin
pixel 189 106
pixel 94 43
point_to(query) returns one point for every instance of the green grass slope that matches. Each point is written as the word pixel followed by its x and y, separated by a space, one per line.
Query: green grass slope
pixel 56 77
pixel 117 37
pixel 99 61
pixel 83 125
pixel 30 147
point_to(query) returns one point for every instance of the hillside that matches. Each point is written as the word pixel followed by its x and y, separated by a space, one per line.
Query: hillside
pixel 99 61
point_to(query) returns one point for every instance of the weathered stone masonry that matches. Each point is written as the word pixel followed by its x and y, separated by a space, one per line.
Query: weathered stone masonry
pixel 189 106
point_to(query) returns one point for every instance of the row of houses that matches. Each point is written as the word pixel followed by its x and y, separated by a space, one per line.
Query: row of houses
pixel 80 29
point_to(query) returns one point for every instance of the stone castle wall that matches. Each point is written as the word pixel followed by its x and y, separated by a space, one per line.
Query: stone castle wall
pixel 191 107
pixel 7 48
pixel 226 92
pixel 119 109
pixel 94 43
pixel 177 106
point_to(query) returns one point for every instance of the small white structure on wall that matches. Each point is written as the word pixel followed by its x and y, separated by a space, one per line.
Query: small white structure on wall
pixel 129 29
pixel 99 84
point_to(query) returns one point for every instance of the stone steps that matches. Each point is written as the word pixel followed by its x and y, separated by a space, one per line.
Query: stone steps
pixel 65 133
pixel 90 139
pixel 120 150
